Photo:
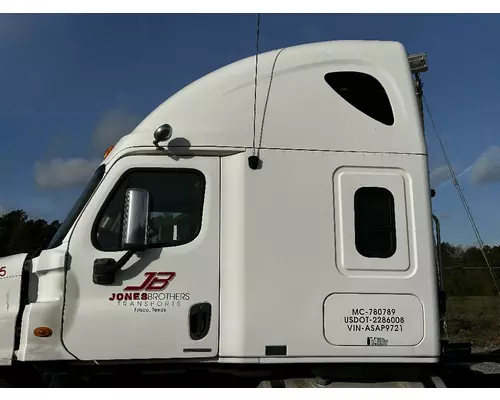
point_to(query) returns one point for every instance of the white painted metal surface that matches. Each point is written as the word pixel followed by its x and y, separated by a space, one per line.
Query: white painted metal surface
pixel 303 112
pixel 100 325
pixel 279 262
pixel 45 308
pixel 346 181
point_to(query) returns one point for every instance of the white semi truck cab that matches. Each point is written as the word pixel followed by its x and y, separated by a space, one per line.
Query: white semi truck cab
pixel 296 232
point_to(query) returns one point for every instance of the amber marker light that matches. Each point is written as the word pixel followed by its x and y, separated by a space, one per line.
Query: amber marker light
pixel 106 153
pixel 43 331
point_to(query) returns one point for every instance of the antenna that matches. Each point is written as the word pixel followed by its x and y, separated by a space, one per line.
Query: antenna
pixel 253 160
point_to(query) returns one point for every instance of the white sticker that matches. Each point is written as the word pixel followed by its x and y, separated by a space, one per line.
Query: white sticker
pixel 373 320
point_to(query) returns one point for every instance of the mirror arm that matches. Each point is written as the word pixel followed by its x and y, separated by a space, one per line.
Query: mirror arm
pixel 123 260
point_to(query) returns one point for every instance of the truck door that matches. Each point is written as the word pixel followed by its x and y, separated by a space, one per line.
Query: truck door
pixel 164 302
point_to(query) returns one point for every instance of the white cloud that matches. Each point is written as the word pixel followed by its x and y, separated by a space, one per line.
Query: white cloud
pixel 486 169
pixel 113 125
pixel 58 173
pixel 439 175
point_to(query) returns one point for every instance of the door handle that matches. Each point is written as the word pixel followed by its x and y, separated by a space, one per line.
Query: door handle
pixel 200 316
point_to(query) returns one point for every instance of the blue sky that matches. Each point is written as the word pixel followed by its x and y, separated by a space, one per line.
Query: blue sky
pixel 73 84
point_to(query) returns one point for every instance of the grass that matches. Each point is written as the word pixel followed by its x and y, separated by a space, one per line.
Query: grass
pixel 474 319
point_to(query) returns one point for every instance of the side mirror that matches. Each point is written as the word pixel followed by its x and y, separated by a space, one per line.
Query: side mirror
pixel 134 238
pixel 135 220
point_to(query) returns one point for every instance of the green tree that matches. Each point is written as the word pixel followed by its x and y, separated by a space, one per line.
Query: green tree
pixel 18 234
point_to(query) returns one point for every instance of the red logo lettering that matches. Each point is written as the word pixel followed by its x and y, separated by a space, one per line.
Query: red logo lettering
pixel 154 281
pixel 3 272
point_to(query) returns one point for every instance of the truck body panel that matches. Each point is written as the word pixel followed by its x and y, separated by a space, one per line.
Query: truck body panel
pixel 44 308
pixel 296 106
pixel 288 248
pixel 145 313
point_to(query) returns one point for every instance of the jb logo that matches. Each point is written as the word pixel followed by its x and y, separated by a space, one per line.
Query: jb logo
pixel 154 281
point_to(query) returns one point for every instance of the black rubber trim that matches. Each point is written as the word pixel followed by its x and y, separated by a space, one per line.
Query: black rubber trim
pixel 201 350
pixel 276 350
pixel 23 302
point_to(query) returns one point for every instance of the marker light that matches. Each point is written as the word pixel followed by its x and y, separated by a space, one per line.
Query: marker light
pixel 43 331
pixel 106 153
pixel 418 62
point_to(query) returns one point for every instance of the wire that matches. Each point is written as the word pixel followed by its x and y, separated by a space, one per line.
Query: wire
pixel 267 98
pixel 254 147
pixel 455 182
pixel 255 83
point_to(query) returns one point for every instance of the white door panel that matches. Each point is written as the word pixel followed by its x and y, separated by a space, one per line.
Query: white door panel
pixel 145 313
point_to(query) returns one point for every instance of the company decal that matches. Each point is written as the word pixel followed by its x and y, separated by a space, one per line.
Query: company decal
pixel 376 341
pixel 150 295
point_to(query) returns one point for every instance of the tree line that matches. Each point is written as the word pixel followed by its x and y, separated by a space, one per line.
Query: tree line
pixel 18 234
pixel 464 267
pixel 465 272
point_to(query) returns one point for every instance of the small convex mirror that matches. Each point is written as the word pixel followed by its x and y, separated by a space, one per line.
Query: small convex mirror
pixel 135 220
pixel 162 134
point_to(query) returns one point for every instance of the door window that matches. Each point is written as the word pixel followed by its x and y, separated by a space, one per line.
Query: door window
pixel 175 211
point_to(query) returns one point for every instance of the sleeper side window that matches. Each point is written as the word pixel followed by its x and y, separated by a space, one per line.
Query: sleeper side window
pixel 375 222
pixel 175 211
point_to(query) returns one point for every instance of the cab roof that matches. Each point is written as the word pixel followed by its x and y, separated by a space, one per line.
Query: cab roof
pixel 327 96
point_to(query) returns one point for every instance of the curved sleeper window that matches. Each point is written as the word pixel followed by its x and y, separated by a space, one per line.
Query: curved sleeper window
pixel 364 92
